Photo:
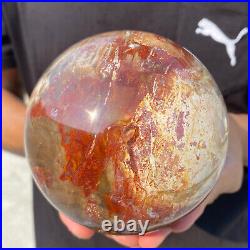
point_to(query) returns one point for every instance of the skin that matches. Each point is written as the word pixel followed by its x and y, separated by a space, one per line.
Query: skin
pixel 13 110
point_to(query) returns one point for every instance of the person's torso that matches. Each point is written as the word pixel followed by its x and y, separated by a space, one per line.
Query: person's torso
pixel 41 31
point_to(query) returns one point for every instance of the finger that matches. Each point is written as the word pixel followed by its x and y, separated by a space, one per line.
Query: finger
pixel 76 229
pixel 125 240
pixel 188 220
pixel 154 239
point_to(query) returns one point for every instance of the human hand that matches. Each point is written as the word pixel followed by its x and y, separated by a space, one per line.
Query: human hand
pixel 229 182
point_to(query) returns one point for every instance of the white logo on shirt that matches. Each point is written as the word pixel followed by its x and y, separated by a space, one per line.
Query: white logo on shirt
pixel 208 28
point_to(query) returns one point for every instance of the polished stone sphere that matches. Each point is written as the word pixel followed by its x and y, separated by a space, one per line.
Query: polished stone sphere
pixel 126 124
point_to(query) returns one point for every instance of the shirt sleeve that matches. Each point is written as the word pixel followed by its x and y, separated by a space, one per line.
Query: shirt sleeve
pixel 8 58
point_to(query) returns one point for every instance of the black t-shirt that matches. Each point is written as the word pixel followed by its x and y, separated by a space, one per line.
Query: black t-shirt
pixel 35 33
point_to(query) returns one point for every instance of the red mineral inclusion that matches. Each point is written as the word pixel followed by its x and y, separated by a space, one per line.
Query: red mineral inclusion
pixel 42 176
pixel 180 128
pixel 103 100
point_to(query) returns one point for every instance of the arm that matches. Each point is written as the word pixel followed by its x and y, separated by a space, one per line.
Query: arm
pixel 13 114
pixel 242 122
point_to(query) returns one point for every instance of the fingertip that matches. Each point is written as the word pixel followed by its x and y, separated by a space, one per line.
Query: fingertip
pixel 154 239
pixel 188 220
pixel 76 229
pixel 126 240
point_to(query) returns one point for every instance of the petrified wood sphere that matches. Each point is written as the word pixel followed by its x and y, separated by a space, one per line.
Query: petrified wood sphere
pixel 126 124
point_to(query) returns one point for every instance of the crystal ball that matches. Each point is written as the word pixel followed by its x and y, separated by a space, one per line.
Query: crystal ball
pixel 126 124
